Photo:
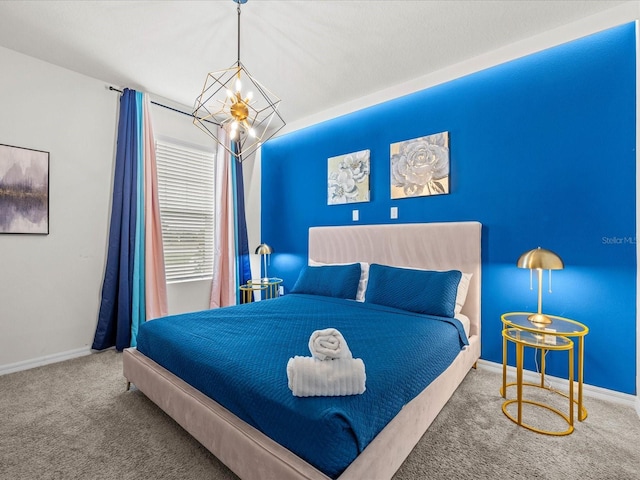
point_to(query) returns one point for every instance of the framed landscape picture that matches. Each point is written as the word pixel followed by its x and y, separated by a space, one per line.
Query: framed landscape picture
pixel 24 190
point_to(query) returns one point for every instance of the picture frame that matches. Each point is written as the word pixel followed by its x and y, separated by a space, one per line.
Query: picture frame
pixel 348 178
pixel 24 190
pixel 420 166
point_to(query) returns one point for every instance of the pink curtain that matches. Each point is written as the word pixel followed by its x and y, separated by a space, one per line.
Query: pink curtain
pixel 224 283
pixel 155 279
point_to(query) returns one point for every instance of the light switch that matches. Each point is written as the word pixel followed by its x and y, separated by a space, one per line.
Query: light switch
pixel 394 212
pixel 355 215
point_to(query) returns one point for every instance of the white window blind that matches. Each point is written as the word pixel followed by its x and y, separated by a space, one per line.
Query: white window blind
pixel 185 193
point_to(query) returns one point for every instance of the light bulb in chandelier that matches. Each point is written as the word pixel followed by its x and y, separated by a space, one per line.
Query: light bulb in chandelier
pixel 238 128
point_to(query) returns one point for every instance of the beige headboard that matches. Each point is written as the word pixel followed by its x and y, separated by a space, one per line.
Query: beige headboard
pixel 431 246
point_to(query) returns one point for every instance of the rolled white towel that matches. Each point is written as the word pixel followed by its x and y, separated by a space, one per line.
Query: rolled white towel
pixel 328 344
pixel 310 377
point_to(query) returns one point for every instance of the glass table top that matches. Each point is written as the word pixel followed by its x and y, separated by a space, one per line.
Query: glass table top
pixel 538 340
pixel 558 325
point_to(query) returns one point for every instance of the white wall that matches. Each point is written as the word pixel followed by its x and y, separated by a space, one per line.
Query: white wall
pixel 50 284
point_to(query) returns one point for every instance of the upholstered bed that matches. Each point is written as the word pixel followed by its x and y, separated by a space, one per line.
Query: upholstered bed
pixel 252 454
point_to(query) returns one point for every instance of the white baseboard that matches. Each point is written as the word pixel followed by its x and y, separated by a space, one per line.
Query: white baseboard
pixel 588 390
pixel 47 359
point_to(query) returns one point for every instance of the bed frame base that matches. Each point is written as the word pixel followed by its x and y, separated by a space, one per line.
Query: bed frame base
pixel 246 450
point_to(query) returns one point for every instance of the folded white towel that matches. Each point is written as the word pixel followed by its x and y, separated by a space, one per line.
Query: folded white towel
pixel 328 344
pixel 310 377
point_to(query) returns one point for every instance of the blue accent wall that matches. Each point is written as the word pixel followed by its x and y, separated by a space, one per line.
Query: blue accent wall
pixel 542 153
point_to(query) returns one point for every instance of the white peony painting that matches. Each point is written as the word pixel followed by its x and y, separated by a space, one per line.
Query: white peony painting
pixel 420 167
pixel 348 178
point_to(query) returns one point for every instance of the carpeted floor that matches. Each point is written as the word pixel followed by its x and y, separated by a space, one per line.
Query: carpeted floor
pixel 74 420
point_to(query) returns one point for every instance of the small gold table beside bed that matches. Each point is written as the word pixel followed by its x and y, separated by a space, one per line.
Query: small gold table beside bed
pixel 517 328
pixel 268 288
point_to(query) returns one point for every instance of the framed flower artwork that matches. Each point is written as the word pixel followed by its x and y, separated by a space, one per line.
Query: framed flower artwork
pixel 420 167
pixel 348 178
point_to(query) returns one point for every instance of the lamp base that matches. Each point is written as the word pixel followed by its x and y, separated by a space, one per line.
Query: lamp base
pixel 539 318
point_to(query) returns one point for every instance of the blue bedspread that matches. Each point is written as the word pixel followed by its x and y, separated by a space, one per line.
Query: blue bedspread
pixel 238 356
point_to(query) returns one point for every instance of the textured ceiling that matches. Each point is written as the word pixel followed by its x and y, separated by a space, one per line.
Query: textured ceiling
pixel 313 54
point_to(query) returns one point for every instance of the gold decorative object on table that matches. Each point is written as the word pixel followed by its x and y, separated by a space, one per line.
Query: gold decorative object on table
pixel 518 329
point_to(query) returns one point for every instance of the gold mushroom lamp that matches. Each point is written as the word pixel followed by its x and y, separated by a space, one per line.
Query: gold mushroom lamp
pixel 264 250
pixel 540 259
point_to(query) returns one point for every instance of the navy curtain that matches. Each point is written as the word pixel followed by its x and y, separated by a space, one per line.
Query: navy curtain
pixel 244 264
pixel 114 318
pixel 244 270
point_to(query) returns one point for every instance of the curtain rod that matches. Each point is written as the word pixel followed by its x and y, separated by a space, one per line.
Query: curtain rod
pixel 156 103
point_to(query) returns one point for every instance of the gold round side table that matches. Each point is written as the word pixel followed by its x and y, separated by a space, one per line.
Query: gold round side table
pixel 522 339
pixel 560 327
pixel 268 288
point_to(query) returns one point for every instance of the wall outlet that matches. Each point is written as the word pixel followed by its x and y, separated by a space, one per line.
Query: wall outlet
pixel 355 215
pixel 394 213
pixel 280 290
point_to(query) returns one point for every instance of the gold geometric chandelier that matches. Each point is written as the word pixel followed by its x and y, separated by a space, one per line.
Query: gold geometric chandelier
pixel 241 105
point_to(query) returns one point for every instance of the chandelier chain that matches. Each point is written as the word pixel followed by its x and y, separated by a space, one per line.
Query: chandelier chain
pixel 238 33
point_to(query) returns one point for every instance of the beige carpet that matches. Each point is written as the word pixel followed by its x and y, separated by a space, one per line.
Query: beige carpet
pixel 74 420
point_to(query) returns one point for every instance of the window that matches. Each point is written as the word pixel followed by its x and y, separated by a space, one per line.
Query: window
pixel 185 194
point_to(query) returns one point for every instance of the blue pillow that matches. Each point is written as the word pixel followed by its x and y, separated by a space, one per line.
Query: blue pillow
pixel 340 281
pixel 420 291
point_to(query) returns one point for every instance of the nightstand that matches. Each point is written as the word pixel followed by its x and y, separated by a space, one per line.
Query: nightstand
pixel 268 288
pixel 518 329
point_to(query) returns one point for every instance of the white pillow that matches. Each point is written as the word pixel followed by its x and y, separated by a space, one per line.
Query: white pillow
pixel 364 276
pixel 466 323
pixel 463 289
